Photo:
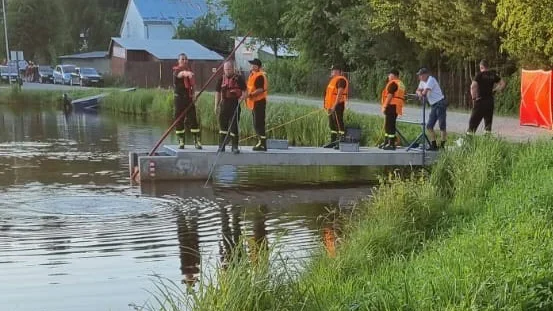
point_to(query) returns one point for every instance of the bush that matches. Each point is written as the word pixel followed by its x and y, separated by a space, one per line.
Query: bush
pixel 116 81
pixel 508 101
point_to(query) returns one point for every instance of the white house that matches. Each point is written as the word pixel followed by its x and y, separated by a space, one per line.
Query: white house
pixel 253 48
pixel 158 19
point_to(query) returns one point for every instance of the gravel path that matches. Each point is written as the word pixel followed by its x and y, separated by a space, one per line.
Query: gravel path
pixel 457 122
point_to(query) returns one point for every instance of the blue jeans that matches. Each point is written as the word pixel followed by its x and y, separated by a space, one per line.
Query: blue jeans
pixel 437 114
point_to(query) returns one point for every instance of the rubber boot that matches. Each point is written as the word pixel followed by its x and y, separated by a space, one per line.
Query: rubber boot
pixel 181 140
pixel 433 146
pixel 442 144
pixel 223 140
pixel 261 144
pixel 391 144
pixel 332 143
pixel 386 141
pixel 235 149
pixel 338 140
pixel 197 143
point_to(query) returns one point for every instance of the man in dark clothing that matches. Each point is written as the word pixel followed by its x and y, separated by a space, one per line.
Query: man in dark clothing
pixel 230 91
pixel 392 101
pixel 183 82
pixel 336 96
pixel 481 90
pixel 257 102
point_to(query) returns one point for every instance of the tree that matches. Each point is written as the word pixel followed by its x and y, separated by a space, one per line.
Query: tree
pixel 315 28
pixel 34 26
pixel 459 29
pixel 204 31
pixel 262 18
pixel 527 30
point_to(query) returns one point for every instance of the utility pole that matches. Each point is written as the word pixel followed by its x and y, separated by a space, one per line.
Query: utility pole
pixel 6 30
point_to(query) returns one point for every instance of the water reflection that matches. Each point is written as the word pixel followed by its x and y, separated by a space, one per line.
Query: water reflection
pixel 259 243
pixel 189 244
pixel 75 235
pixel 230 233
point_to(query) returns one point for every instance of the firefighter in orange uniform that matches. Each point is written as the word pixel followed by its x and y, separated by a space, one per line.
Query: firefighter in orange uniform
pixel 183 81
pixel 336 96
pixel 257 102
pixel 393 99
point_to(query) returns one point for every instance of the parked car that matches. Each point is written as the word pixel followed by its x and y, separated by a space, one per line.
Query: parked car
pixel 8 73
pixel 45 74
pixel 64 74
pixel 88 76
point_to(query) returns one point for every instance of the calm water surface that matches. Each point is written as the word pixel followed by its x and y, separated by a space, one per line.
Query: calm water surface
pixel 76 235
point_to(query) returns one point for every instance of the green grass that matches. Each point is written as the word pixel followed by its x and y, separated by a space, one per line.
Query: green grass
pixel 475 234
pixel 301 125
pixel 43 99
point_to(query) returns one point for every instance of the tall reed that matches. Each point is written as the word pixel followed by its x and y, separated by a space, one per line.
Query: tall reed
pixel 299 124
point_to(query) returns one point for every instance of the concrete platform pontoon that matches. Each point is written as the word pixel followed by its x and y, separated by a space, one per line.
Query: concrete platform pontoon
pixel 171 163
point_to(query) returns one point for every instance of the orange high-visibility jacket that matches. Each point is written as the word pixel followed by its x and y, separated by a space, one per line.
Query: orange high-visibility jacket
pixel 250 101
pixel 398 99
pixel 332 92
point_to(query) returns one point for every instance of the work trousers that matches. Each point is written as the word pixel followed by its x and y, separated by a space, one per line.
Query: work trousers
pixel 483 109
pixel 229 112
pixel 258 113
pixel 390 114
pixel 336 120
pixel 190 121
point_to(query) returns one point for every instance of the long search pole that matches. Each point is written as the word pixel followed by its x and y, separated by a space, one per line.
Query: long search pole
pixel 193 103
pixel 6 37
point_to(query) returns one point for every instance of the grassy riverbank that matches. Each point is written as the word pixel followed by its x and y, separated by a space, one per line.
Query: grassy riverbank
pixel 475 235
pixel 301 125
pixel 42 98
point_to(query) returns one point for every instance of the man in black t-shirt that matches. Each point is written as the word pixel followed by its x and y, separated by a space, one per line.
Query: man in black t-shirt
pixel 482 92
pixel 230 91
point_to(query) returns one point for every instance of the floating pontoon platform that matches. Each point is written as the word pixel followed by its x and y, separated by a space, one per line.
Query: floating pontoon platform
pixel 171 163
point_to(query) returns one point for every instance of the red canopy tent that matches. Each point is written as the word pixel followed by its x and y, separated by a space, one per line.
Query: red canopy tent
pixel 535 102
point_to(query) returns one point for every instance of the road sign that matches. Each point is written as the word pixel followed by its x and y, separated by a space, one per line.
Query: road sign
pixel 16 55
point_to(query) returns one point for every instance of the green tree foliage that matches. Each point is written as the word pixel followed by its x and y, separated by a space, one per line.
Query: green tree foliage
pixel 317 30
pixel 527 29
pixel 85 31
pixel 260 17
pixel 458 29
pixel 45 29
pixel 204 31
pixel 34 26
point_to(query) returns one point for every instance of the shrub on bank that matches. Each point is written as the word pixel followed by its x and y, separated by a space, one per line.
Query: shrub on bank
pixel 475 235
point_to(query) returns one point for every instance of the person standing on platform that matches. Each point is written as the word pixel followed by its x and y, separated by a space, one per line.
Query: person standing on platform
pixel 392 100
pixel 257 102
pixel 429 88
pixel 335 99
pixel 230 91
pixel 183 82
pixel 482 90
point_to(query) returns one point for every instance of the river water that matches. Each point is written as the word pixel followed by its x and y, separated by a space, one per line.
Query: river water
pixel 76 235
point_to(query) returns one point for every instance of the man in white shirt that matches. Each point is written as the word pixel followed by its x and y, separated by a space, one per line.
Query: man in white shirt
pixel 429 88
